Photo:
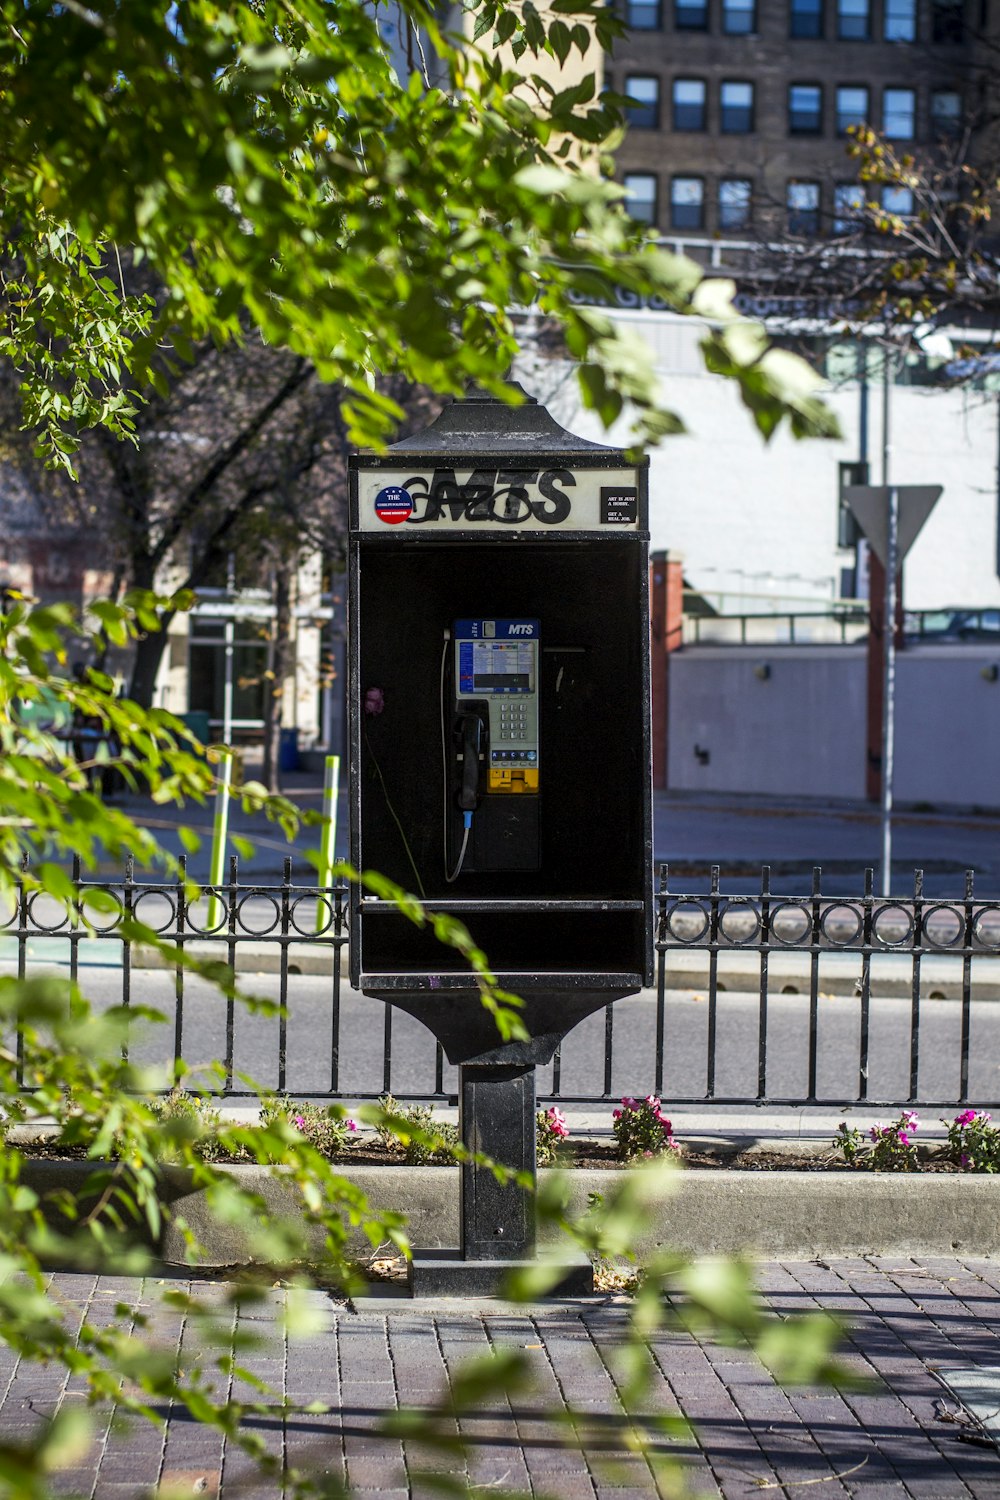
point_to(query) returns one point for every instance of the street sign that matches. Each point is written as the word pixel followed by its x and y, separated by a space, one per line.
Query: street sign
pixel 870 505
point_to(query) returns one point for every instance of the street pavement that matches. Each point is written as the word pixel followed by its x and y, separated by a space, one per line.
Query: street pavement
pixel 692 833
pixel 902 1436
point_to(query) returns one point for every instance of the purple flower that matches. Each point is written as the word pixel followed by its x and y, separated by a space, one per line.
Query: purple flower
pixel 964 1160
pixel 299 1122
pixel 903 1138
pixel 351 1125
pixel 967 1117
pixel 374 701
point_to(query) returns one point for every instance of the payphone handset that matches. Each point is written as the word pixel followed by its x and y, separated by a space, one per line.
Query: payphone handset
pixel 496 666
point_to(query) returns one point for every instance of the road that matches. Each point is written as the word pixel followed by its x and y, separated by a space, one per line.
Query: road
pixel 310 1042
pixel 693 832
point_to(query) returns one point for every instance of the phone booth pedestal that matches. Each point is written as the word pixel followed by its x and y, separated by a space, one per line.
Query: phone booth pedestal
pixel 500 767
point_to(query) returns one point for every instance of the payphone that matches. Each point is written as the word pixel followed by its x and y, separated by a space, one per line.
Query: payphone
pixel 499 665
pixel 491 752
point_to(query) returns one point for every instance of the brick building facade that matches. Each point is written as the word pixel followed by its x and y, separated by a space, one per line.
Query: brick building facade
pixel 742 106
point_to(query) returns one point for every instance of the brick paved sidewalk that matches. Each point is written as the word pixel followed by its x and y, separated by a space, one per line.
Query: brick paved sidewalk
pixel 909 1317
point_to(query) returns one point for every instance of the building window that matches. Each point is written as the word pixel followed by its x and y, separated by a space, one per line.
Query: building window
pixel 687 203
pixel 739 17
pixel 947 20
pixel 644 112
pixel 898 200
pixel 736 108
pixel 803 208
pixel 900 20
pixel 805 109
pixel 689 104
pixel 691 15
pixel 852 20
pixel 899 107
pixel 848 207
pixel 806 18
pixel 852 108
pixel 643 15
pixel 640 196
pixel 734 203
pixel 946 113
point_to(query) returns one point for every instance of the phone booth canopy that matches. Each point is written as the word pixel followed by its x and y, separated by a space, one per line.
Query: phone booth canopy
pixel 499 700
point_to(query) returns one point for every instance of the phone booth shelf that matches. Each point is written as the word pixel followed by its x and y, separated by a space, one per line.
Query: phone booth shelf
pixel 500 765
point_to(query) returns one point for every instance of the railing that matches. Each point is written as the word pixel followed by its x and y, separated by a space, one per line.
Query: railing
pixel 764 998
pixel 843 624
pixel 796 627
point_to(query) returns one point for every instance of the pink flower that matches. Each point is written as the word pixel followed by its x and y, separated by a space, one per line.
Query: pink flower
pixel 351 1125
pixel 299 1122
pixel 903 1138
pixel 616 1114
pixel 630 1103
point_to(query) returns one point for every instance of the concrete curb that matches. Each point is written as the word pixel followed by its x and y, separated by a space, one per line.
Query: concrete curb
pixel 738 972
pixel 773 1214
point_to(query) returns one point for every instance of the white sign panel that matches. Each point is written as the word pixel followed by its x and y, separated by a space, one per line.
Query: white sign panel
pixel 480 499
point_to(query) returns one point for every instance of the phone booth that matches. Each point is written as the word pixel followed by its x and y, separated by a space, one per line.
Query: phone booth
pixel 500 763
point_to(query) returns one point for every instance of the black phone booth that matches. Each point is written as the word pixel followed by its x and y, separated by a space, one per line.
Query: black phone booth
pixel 500 762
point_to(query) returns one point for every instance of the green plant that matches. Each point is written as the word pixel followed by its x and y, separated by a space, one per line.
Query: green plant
pixel 550 1132
pixel 850 1141
pixel 973 1142
pixel 190 1118
pixel 891 1146
pixel 641 1129
pixel 412 1131
pixel 326 1127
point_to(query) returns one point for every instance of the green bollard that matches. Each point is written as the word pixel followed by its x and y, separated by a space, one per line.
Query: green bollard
pixel 220 829
pixel 328 843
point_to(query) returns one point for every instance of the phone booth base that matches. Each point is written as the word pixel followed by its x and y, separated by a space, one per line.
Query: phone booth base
pixel 500 768
pixel 449 1273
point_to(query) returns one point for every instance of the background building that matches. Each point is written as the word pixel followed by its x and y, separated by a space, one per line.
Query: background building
pixel 742 107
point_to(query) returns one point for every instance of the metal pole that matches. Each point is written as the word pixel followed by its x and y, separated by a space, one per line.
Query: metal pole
pixel 328 842
pixel 220 831
pixel 889 638
pixel 227 690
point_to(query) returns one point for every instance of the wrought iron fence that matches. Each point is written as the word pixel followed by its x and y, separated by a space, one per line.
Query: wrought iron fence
pixel 761 998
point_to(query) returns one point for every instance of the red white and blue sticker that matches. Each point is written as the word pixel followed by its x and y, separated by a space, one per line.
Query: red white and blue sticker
pixel 393 504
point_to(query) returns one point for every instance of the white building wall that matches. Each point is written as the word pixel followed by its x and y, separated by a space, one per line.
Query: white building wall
pixel 783 721
pixel 753 518
pixel 948 725
pixel 800 730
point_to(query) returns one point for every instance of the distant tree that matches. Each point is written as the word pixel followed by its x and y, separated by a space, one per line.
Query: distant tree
pixel 240 449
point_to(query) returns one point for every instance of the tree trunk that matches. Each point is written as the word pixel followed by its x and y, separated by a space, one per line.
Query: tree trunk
pixel 149 651
pixel 281 668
